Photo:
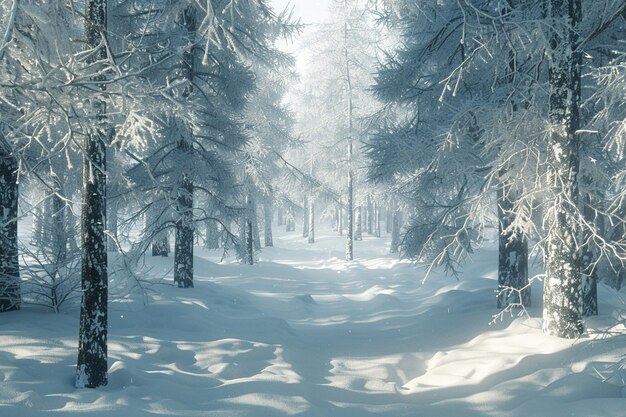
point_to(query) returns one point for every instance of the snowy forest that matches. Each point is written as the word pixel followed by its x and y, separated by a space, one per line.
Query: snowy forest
pixel 338 208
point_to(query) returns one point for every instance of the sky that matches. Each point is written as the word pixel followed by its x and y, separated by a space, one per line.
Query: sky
pixel 308 12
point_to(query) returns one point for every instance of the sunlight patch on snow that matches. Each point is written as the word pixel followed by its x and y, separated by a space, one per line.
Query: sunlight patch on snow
pixel 279 403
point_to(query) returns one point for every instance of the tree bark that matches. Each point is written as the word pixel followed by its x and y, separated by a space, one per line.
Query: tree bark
pixel 183 249
pixel 513 285
pixel 10 297
pixel 358 224
pixel 305 217
pixel 395 228
pixel 112 226
pixel 311 222
pixel 562 298
pixel 268 213
pixel 91 369
pixel 377 219
pixel 369 215
pixel 212 240
pixel 249 242
pixel 589 260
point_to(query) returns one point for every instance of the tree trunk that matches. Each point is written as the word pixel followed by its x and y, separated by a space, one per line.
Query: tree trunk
pixel 91 369
pixel 59 237
pixel 212 240
pixel 10 297
pixel 376 219
pixel 305 218
pixel 267 223
pixel 254 218
pixel 340 220
pixel 562 298
pixel 280 217
pixel 350 212
pixel 112 226
pixel 369 215
pixel 395 228
pixel 589 260
pixel 183 249
pixel 513 285
pixel 37 225
pixel 161 244
pixel 358 224
pixel 249 242
pixel 350 233
pixel 311 222
pixel 389 218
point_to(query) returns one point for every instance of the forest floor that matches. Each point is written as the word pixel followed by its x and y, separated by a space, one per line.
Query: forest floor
pixel 305 333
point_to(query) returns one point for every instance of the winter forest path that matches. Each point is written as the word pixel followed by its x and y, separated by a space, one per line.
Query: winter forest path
pixel 305 333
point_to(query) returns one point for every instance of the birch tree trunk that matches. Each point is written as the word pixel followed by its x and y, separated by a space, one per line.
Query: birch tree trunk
pixel 358 224
pixel 562 298
pixel 91 369
pixel 10 297
pixel 350 208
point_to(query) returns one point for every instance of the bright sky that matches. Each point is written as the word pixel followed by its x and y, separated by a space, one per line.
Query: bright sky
pixel 309 11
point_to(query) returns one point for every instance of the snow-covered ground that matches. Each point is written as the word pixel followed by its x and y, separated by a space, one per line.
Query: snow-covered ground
pixel 305 333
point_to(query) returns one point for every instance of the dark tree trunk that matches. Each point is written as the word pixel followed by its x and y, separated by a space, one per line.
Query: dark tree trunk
pixel 311 222
pixel 562 298
pixel 267 223
pixel 161 245
pixel 91 369
pixel 10 298
pixel 183 251
pixel 589 261
pixel 513 285
pixel 249 242
pixel 389 218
